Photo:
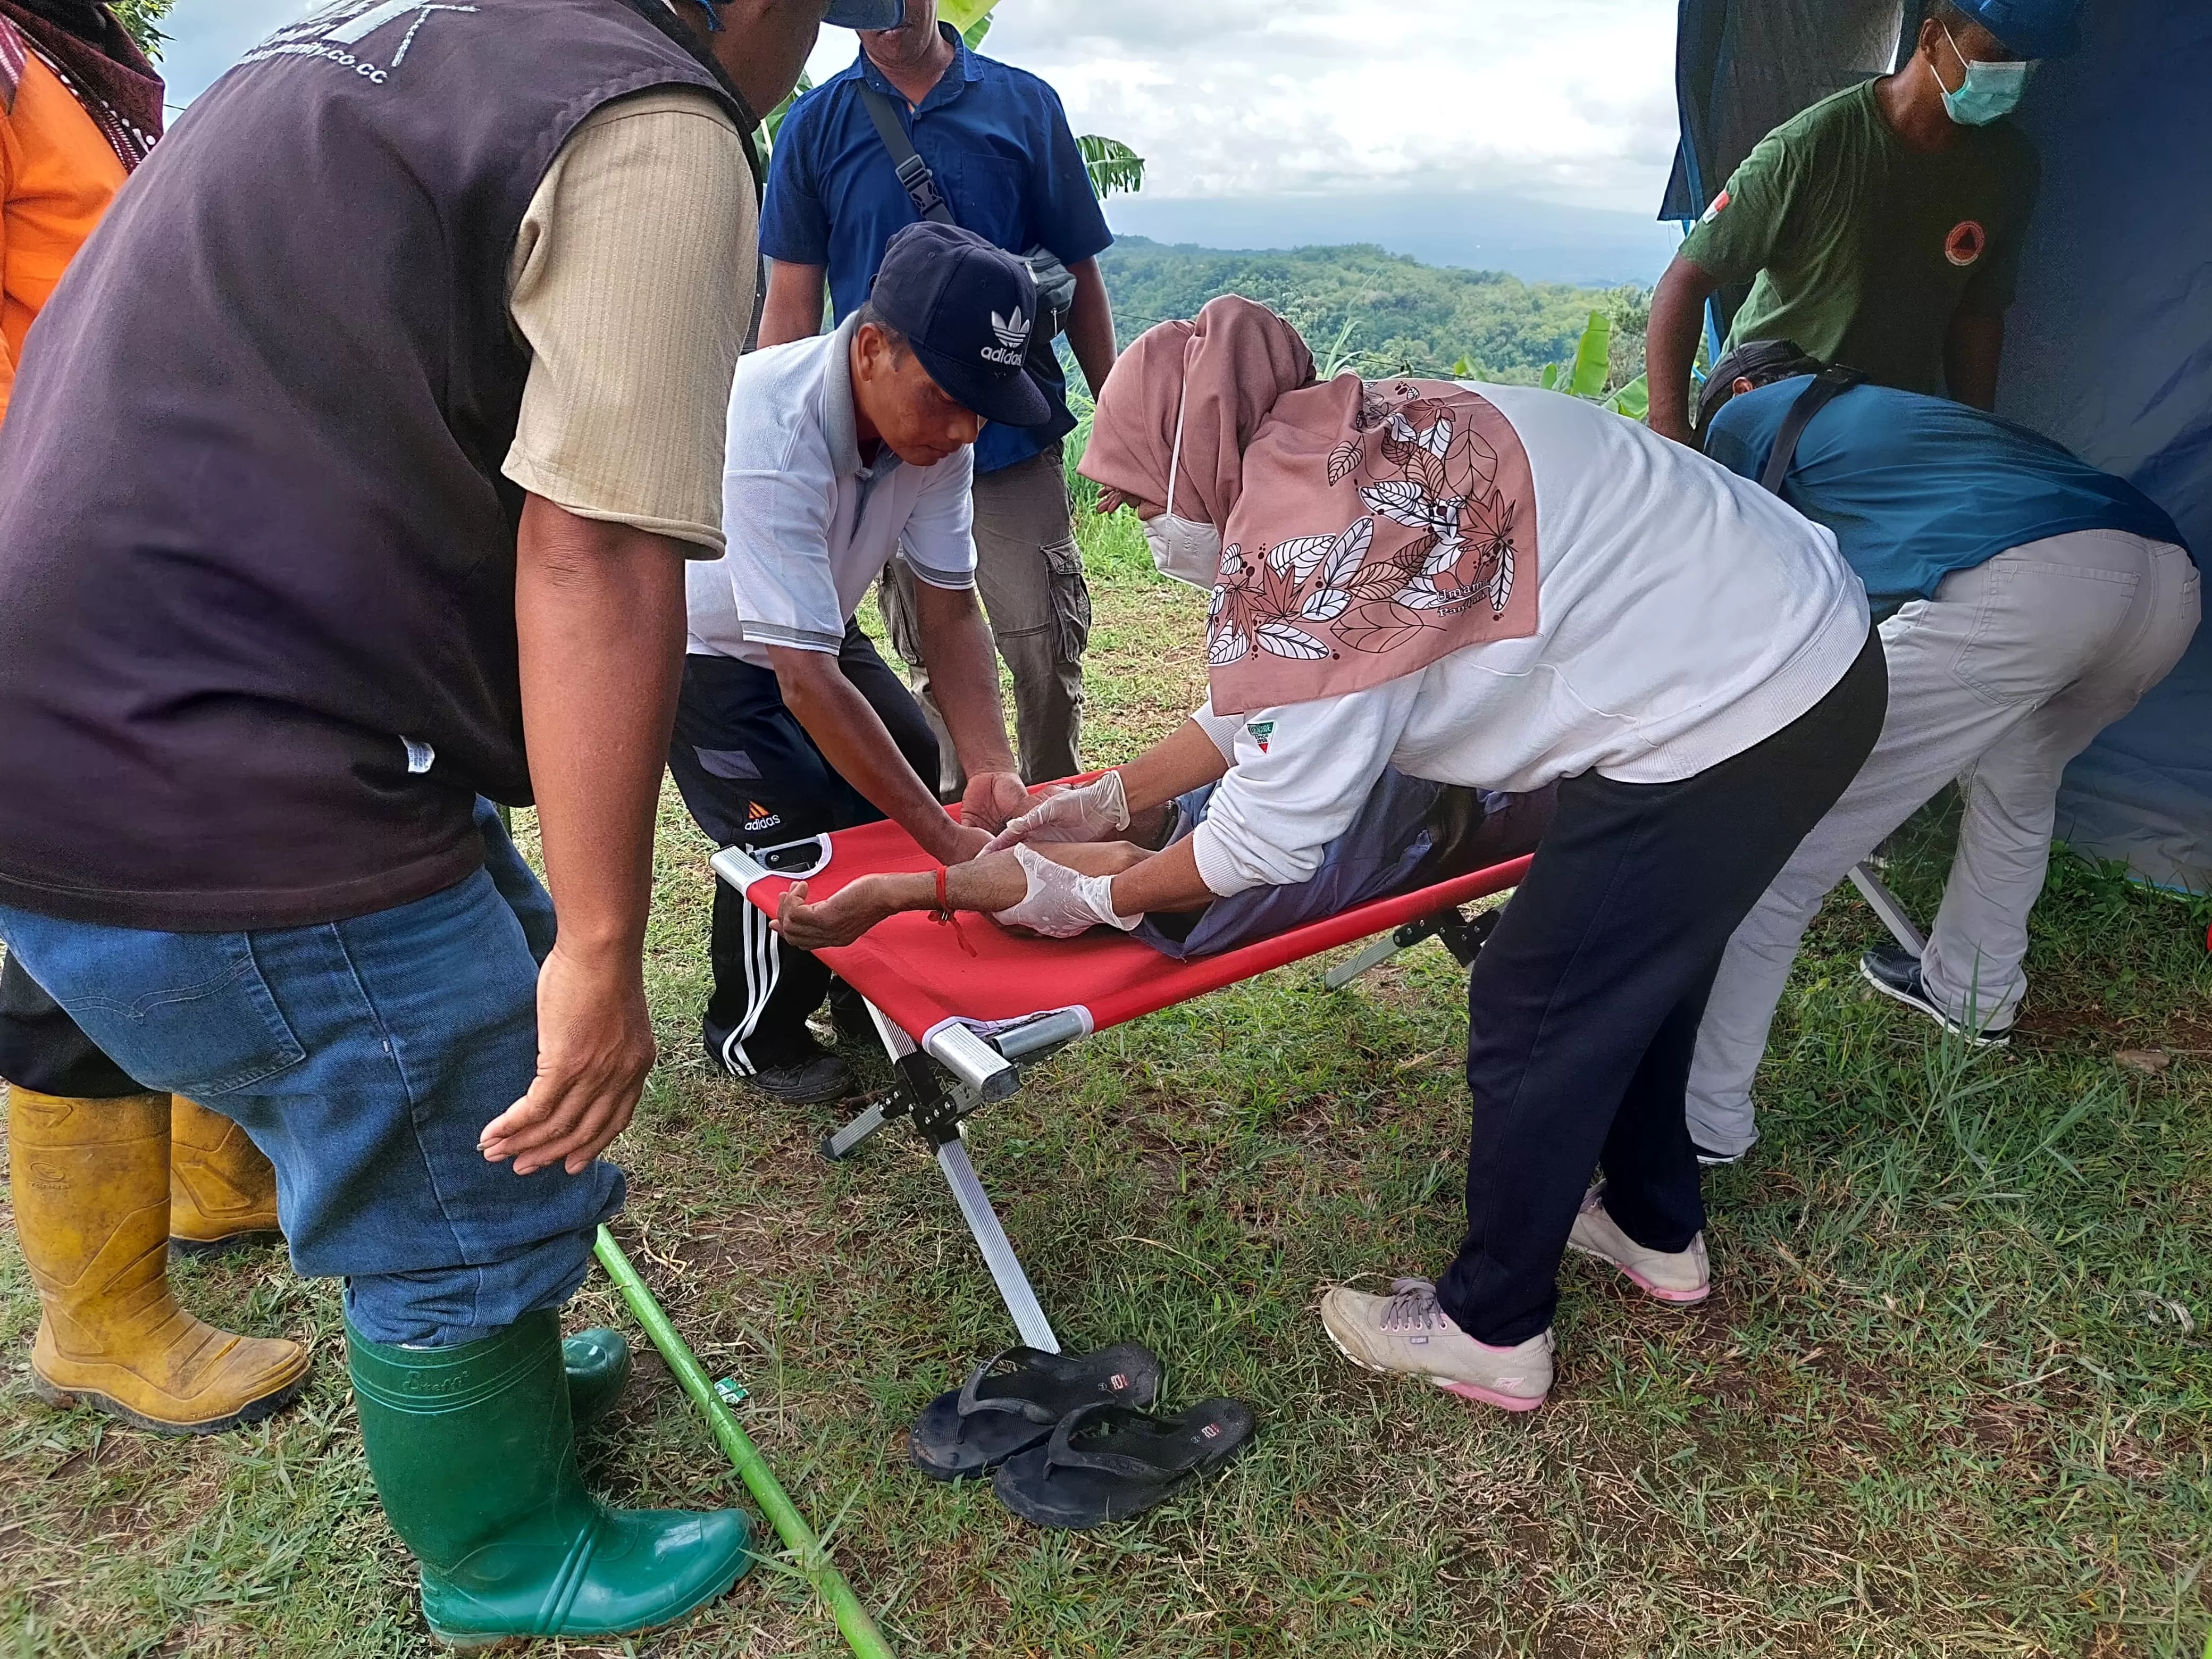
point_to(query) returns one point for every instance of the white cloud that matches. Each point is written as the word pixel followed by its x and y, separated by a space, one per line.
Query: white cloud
pixel 1572 101
pixel 1568 100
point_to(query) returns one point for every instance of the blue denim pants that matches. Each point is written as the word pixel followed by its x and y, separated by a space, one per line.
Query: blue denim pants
pixel 364 1057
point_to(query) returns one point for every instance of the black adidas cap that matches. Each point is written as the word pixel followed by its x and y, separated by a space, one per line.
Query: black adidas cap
pixel 967 309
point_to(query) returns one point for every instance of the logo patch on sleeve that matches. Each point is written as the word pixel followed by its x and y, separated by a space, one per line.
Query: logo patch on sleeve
pixel 1965 243
pixel 1261 731
pixel 1714 211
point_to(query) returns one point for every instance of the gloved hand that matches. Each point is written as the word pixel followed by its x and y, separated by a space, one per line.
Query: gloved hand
pixel 1061 903
pixel 1097 811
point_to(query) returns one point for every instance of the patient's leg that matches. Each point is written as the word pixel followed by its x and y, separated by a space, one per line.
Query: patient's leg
pixel 1150 828
pixel 993 882
pixel 1089 858
pixel 1381 851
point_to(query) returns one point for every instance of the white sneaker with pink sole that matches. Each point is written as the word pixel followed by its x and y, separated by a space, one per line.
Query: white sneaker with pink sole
pixel 1680 1277
pixel 1407 1334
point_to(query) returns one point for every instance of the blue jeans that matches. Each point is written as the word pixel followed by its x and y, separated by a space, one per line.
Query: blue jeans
pixel 517 882
pixel 364 1057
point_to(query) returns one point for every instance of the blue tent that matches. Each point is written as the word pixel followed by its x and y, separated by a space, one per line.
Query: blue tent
pixel 2109 349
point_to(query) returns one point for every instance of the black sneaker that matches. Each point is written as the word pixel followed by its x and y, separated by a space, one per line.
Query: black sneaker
pixel 1713 1160
pixel 809 1078
pixel 1895 972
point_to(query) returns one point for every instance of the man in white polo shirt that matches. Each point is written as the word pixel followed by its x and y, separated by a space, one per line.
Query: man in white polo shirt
pixel 844 449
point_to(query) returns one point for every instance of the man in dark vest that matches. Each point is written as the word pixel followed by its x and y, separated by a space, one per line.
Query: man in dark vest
pixel 349 476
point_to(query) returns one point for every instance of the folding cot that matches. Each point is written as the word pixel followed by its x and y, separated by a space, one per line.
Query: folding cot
pixel 961 1011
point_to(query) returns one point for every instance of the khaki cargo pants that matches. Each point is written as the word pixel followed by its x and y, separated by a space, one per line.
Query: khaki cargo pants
pixel 1029 574
pixel 2006 675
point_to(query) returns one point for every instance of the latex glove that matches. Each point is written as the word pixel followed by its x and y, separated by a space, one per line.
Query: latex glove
pixel 1097 811
pixel 1061 903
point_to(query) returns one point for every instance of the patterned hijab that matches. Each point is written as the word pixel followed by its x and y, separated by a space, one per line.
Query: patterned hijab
pixel 1369 528
pixel 94 57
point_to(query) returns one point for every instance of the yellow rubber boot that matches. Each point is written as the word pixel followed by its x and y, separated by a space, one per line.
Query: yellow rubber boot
pixel 90 1180
pixel 222 1191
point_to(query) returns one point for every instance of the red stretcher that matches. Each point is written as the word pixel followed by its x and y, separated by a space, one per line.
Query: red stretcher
pixel 960 1012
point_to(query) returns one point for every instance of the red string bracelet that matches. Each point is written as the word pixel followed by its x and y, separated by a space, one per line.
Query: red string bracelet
pixel 945 915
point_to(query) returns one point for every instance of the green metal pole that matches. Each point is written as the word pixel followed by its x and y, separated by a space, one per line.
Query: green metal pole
pixel 860 1632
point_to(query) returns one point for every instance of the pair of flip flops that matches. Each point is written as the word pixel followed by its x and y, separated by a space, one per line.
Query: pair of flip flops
pixel 1070 1437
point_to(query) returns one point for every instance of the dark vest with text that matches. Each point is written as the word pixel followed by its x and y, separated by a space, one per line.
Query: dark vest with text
pixel 257 557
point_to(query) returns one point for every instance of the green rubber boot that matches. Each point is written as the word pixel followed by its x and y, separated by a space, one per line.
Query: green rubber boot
pixel 474 1458
pixel 597 1365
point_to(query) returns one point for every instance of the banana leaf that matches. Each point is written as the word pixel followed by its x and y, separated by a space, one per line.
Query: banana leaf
pixel 1112 165
pixel 964 15
pixel 1633 400
pixel 1593 358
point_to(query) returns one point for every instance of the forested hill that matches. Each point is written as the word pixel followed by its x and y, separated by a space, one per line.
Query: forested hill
pixel 1403 317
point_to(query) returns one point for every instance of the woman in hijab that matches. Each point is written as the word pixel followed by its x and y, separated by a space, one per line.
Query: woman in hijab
pixel 1495 587
pixel 79 108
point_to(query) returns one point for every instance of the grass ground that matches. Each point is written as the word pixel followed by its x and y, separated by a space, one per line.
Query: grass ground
pixel 1952 1394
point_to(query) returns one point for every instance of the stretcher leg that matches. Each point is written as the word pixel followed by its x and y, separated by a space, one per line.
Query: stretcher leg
pixel 1462 937
pixel 1886 905
pixel 1376 952
pixel 848 1139
pixel 936 1116
pixel 991 1238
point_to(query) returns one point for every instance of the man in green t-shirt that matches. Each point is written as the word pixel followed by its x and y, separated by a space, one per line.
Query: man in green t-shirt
pixel 1882 227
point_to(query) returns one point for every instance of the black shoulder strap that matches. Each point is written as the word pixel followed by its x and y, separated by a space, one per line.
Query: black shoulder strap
pixel 912 172
pixel 1829 384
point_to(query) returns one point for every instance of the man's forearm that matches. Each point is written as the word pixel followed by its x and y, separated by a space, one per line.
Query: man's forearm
pixel 860 749
pixel 598 617
pixel 1091 324
pixel 792 308
pixel 1181 762
pixel 1166 881
pixel 1678 317
pixel 963 674
pixel 1972 352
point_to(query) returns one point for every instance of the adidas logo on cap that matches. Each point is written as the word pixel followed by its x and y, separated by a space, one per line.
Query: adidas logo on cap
pixel 1013 334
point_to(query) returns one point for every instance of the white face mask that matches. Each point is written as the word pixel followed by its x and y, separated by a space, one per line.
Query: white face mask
pixel 1186 550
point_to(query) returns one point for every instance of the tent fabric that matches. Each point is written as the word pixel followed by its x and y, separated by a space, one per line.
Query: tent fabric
pixel 1743 67
pixel 919 973
pixel 2109 350
pixel 2109 347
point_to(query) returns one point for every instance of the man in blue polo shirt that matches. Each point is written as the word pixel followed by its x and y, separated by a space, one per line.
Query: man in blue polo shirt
pixel 999 150
pixel 2035 600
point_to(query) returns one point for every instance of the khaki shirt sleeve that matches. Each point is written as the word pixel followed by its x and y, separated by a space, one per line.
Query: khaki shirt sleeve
pixel 632 279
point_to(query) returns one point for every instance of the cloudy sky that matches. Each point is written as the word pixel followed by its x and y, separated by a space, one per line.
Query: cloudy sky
pixel 1327 112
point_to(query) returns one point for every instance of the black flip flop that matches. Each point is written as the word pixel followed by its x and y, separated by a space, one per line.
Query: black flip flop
pixel 1106 1463
pixel 1010 1401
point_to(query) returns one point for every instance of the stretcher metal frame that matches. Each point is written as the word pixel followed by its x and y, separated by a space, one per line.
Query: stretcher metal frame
pixel 938 1082
pixel 953 1071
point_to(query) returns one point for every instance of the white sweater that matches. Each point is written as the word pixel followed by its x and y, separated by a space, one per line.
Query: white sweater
pixel 1684 615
